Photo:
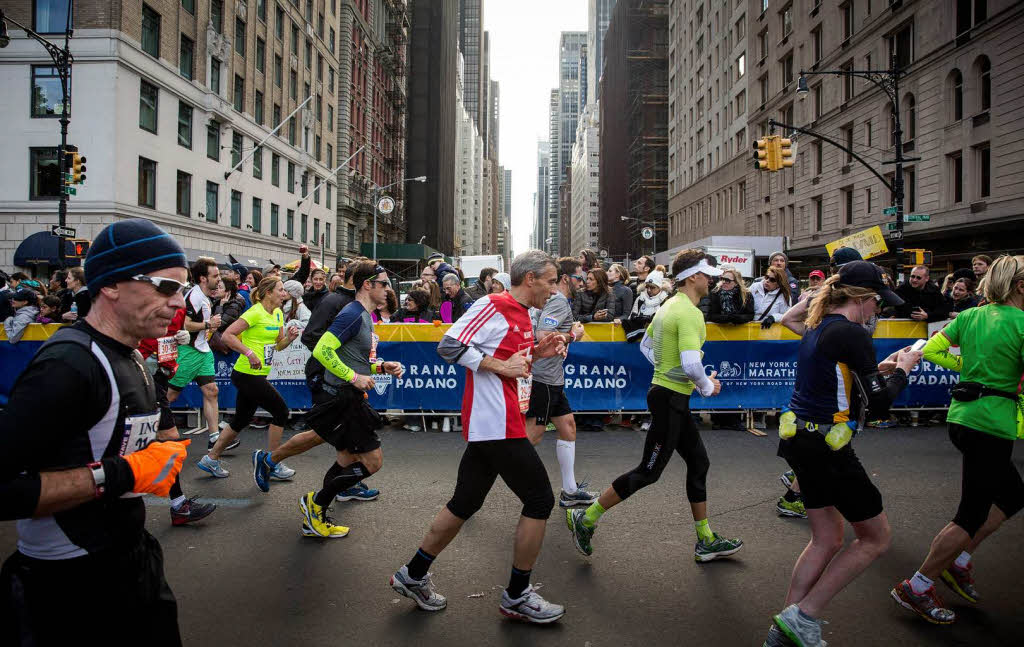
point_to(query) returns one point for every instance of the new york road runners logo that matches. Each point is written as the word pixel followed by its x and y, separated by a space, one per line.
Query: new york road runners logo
pixel 381 383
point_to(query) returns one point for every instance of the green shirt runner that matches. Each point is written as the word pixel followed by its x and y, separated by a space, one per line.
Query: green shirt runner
pixel 260 337
pixel 677 326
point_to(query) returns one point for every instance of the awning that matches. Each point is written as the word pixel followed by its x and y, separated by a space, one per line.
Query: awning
pixel 192 255
pixel 42 248
pixel 249 263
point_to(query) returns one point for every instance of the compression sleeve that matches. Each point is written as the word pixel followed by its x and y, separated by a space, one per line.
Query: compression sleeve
pixel 858 353
pixel 690 361
pixel 936 351
pixel 324 353
pixel 647 348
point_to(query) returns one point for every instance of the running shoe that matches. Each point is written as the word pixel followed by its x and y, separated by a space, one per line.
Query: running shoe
pixel 282 473
pixel 961 580
pixel 191 510
pixel 801 629
pixel 421 592
pixel 315 516
pixel 336 532
pixel 358 492
pixel 213 467
pixel 213 441
pixel 260 470
pixel 720 547
pixel 790 508
pixel 881 424
pixel 530 607
pixel 581 534
pixel 927 605
pixel 778 639
pixel 788 478
pixel 579 497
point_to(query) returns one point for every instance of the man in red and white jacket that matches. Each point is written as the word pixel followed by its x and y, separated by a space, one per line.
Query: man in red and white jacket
pixel 495 341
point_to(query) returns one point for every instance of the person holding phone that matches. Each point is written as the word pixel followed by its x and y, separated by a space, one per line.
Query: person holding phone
pixel 922 300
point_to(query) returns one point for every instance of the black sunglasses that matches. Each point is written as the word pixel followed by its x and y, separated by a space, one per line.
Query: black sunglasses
pixel 165 286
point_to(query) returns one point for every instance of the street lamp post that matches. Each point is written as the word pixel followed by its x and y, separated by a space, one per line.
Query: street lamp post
pixel 376 204
pixel 62 61
pixel 888 81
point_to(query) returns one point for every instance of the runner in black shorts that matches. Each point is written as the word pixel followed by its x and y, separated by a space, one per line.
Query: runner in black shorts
pixel 548 403
pixel 837 380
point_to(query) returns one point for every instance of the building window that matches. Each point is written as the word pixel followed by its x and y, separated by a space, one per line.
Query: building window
pixel 183 205
pixel 762 44
pixel 316 231
pixel 261 9
pixel 330 41
pixel 147 183
pixel 848 205
pixel 787 70
pixel 278 70
pixel 330 121
pixel 867 134
pixel 257 163
pixel 351 236
pixel 968 16
pixel 293 85
pixel 985 82
pixel 189 6
pixel 316 148
pixel 984 171
pixel 305 185
pixel 261 55
pixel 848 78
pixel 819 214
pixel 186 51
pixel 289 224
pixel 330 79
pixel 848 141
pixel 956 82
pixel 277 116
pixel 257 215
pixel 236 209
pixel 330 155
pixel 291 131
pixel 240 37
pixel 319 108
pixel 257 109
pixel 212 191
pixel 320 26
pixel 236 148
pixel 275 169
pixel 956 176
pixel 911 125
pixel 303 227
pixel 819 157
pixel 319 68
pixel 50 16
pixel 275 215
pixel 150 31
pixel 741 66
pixel 45 183
pixel 786 17
pixel 184 125
pixel 328 204
pixel 309 11
pixel 279 23
pixel 910 188
pixel 295 40
pixel 47 96
pixel 213 140
pixel 819 108
pixel 217 15
pixel 867 201
pixel 327 234
pixel 291 177
pixel 239 93
pixel 215 75
pixel 816 44
pixel 901 45
pixel 764 89
pixel 149 96
pixel 847 10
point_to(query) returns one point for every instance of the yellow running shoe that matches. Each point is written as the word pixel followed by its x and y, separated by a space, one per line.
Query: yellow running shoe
pixel 314 516
pixel 337 532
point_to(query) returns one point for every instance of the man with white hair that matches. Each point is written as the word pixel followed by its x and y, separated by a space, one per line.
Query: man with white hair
pixel 454 294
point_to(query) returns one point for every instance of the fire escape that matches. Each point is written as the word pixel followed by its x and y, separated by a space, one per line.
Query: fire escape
pixel 392 56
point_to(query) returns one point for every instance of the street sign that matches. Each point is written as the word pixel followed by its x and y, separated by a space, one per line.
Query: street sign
pixel 896 235
pixel 63 232
pixel 386 205
pixel 917 217
pixel 889 211
pixel 647 233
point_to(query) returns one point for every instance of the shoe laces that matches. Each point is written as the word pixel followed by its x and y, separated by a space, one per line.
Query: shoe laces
pixel 584 484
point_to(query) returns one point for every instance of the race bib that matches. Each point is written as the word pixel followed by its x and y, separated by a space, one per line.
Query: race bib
pixel 268 354
pixel 525 386
pixel 166 349
pixel 374 339
pixel 138 431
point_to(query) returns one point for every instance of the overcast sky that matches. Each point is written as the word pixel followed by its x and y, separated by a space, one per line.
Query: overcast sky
pixel 524 60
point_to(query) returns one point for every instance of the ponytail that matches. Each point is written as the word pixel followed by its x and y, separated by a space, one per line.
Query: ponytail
pixel 832 295
pixel 1002 277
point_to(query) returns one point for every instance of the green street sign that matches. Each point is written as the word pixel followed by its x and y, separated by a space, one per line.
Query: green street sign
pixel 889 211
pixel 72 191
pixel 917 217
pixel 890 226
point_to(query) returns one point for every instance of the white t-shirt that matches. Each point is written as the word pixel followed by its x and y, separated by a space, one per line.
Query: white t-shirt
pixel 200 303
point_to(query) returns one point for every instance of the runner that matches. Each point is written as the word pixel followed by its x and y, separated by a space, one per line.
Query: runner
pixel 983 423
pixel 195 360
pixel 494 341
pixel 837 380
pixel 548 403
pixel 340 414
pixel 672 343
pixel 256 335
pixel 76 453
pixel 160 355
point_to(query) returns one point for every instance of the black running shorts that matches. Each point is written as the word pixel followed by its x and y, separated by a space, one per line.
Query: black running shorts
pixel 331 419
pixel 547 402
pixel 989 477
pixel 831 478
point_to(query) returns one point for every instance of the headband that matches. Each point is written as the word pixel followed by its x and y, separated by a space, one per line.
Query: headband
pixel 700 268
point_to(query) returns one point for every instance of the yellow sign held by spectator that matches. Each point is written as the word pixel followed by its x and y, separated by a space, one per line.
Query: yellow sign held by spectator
pixel 869 243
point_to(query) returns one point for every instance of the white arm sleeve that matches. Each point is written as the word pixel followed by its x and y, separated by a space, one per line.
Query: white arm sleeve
pixel 647 348
pixel 690 361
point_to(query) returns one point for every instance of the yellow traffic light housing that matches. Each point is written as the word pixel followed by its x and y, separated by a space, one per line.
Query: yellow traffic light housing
pixel 784 153
pixel 762 157
pixel 77 168
pixel 914 257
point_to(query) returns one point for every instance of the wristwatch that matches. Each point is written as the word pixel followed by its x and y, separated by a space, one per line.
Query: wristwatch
pixel 99 478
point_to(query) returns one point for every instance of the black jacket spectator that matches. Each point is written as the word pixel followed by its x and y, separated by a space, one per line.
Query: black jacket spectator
pixel 724 307
pixel 324 315
pixel 589 303
pixel 620 303
pixel 230 309
pixel 305 266
pixel 460 304
pixel 312 298
pixel 929 299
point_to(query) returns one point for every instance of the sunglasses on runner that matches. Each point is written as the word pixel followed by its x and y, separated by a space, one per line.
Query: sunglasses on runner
pixel 165 286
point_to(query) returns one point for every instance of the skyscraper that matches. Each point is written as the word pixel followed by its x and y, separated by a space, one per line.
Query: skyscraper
pixel 471 43
pixel 540 197
pixel 599 14
pixel 565 105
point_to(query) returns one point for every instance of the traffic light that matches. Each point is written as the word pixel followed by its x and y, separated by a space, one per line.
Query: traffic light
pixel 74 168
pixel 784 155
pixel 913 257
pixel 762 154
pixel 80 247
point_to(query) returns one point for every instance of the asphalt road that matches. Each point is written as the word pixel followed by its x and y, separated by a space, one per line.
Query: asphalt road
pixel 247 576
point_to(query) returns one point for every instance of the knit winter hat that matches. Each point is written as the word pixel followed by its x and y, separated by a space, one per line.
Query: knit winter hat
pixel 129 247
pixel 294 289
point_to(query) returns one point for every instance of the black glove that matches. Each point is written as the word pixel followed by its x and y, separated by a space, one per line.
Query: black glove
pixel 767 322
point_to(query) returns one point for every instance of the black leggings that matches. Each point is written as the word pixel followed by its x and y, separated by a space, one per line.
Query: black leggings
pixel 672 428
pixel 256 391
pixel 518 464
pixel 989 477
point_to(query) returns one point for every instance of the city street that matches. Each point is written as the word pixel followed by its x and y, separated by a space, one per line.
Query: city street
pixel 247 576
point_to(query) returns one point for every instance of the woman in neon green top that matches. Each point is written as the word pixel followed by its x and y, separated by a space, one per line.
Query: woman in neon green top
pixel 256 335
pixel 982 425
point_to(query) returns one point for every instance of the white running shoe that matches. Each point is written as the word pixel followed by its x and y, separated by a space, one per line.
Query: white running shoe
pixel 530 607
pixel 282 473
pixel 213 467
pixel 419 591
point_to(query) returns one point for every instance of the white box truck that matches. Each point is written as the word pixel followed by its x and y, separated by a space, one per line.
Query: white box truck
pixel 471 265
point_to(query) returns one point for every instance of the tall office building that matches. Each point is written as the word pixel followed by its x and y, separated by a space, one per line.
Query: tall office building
pixel 551 199
pixel 505 235
pixel 167 98
pixel 540 196
pixel 599 14
pixel 471 43
pixel 566 107
pixel 469 171
pixel 584 222
pixel 432 124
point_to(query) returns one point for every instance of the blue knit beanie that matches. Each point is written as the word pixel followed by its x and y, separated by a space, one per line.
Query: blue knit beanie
pixel 129 247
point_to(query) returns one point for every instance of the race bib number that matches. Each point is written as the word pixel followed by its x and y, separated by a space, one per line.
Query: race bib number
pixel 374 339
pixel 166 349
pixel 268 354
pixel 525 387
pixel 138 432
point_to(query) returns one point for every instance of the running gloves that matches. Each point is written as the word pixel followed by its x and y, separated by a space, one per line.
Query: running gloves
pixel 153 469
